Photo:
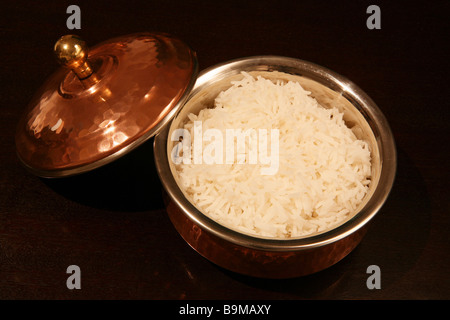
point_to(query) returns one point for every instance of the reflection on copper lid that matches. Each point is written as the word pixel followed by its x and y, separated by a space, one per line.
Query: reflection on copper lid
pixel 140 81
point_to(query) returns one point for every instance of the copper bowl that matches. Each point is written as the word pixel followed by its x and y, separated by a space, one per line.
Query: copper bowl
pixel 281 258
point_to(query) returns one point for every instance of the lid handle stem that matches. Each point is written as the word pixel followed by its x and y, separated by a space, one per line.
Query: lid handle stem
pixel 72 52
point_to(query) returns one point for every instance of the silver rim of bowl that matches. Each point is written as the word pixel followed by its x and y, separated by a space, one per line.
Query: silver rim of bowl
pixel 336 82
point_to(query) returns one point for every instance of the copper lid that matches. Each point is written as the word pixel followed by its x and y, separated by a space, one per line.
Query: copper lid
pixel 103 103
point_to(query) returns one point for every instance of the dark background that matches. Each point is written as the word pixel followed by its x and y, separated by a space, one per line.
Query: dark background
pixel 112 223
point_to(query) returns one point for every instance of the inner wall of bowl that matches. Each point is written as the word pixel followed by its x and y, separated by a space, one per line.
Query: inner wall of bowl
pixel 203 96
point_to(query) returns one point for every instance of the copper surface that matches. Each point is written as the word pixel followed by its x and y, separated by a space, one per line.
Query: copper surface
pixel 260 263
pixel 70 127
pixel 293 257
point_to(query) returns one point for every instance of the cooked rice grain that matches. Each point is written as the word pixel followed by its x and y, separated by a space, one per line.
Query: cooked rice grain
pixel 323 174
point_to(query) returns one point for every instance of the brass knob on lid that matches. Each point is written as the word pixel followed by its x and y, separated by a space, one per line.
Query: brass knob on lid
pixel 72 52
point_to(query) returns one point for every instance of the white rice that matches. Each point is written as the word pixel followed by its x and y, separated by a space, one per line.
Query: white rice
pixel 323 174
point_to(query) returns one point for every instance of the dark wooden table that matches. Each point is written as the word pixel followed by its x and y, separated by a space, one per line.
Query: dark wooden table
pixel 112 223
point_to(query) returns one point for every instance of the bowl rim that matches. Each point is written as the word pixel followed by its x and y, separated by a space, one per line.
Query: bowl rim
pixel 385 141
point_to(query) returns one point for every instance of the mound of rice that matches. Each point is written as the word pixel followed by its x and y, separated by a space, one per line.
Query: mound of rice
pixel 323 173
